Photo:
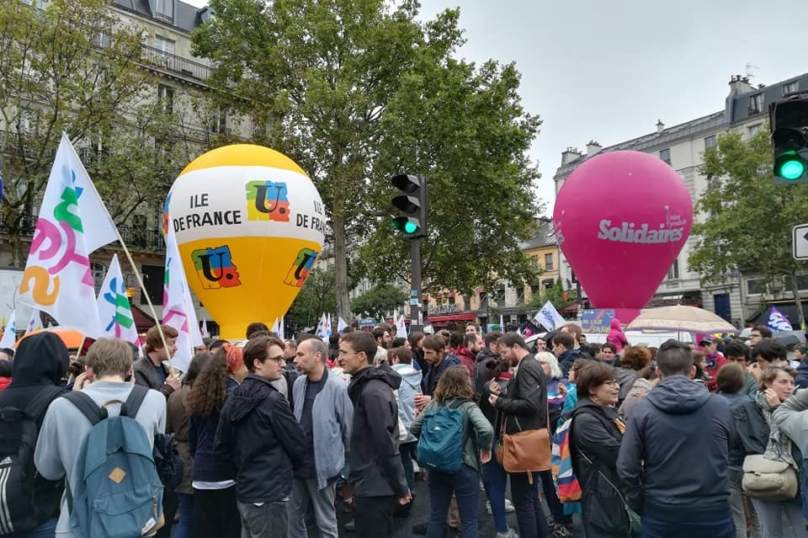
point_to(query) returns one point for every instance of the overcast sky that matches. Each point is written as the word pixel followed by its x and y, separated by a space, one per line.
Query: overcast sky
pixel 609 69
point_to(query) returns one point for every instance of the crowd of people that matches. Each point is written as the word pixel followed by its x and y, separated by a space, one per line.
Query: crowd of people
pixel 268 438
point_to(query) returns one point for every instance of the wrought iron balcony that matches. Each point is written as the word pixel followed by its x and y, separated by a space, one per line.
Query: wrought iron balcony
pixel 137 239
pixel 175 64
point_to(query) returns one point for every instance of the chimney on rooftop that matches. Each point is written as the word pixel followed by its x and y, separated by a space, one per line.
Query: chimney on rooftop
pixel 660 126
pixel 739 84
pixel 592 148
pixel 570 155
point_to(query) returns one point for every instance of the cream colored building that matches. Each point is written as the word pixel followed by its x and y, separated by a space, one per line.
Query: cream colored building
pixel 682 146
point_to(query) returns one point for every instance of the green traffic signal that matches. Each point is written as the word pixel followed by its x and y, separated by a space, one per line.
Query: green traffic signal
pixel 791 167
pixel 404 224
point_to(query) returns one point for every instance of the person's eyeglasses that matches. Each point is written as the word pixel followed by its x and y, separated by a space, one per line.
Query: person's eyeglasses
pixel 277 359
pixel 612 383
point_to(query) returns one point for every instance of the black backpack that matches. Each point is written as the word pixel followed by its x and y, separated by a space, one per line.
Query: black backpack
pixel 19 480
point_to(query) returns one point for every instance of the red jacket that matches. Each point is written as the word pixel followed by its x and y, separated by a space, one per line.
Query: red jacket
pixel 467 359
pixel 717 362
pixel 4 382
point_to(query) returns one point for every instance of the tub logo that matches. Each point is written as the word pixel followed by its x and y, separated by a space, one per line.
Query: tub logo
pixel 629 232
pixel 301 268
pixel 215 268
pixel 267 200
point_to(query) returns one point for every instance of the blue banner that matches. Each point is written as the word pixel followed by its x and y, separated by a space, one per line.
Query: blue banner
pixel 597 321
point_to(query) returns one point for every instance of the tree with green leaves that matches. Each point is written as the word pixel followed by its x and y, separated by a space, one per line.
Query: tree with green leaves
pixel 315 298
pixel 356 91
pixel 748 218
pixel 555 294
pixel 75 67
pixel 379 301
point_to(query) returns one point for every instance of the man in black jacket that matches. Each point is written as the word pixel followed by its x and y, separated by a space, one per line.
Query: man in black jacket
pixel 258 432
pixel 523 408
pixel 39 366
pixel 377 475
pixel 674 455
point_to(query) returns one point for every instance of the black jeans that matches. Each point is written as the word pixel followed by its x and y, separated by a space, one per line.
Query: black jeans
pixel 551 495
pixel 374 516
pixel 216 514
pixel 529 511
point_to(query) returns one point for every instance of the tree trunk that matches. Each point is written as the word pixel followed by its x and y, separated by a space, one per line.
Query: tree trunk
pixel 795 289
pixel 341 266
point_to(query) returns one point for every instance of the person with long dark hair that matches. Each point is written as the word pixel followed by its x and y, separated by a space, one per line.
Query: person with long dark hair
pixel 177 422
pixel 215 512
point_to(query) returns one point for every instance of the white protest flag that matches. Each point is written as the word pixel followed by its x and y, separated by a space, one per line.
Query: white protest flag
pixel 401 327
pixel 178 311
pixel 549 317
pixel 34 322
pixel 10 332
pixel 328 328
pixel 341 325
pixel 72 223
pixel 320 332
pixel 205 333
pixel 114 309
pixel 274 328
pixel 282 329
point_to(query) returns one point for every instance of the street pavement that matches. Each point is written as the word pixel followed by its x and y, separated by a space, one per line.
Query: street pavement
pixel 420 514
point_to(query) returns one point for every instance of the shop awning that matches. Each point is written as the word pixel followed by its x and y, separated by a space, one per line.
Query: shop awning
pixel 443 321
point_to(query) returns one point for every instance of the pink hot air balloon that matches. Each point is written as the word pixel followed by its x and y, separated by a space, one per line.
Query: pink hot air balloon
pixel 621 218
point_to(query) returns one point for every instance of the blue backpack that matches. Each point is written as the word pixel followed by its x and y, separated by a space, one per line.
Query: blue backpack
pixel 440 447
pixel 117 491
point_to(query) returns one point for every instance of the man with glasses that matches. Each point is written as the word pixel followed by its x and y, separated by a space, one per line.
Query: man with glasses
pixel 739 353
pixel 260 435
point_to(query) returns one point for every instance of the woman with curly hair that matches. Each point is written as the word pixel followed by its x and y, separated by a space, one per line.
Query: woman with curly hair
pixel 215 508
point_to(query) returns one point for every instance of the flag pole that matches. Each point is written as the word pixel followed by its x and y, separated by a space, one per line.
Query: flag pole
pixel 146 295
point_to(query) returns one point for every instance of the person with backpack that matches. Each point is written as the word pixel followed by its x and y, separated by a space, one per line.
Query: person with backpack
pixel 455 440
pixel 112 486
pixel 31 503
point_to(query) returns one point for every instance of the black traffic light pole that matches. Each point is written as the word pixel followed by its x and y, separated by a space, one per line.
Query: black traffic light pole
pixel 412 202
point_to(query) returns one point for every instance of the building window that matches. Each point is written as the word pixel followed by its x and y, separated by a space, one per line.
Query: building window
pixel 710 142
pixel 802 282
pixel 534 289
pixel 39 4
pixel 791 87
pixel 164 9
pixel 756 286
pixel 665 155
pixel 164 45
pixel 27 122
pixel 220 122
pixel 756 104
pixel 451 300
pixel 548 261
pixel 754 129
pixel 673 272
pixel 165 96
pixel 102 39
pixel 520 296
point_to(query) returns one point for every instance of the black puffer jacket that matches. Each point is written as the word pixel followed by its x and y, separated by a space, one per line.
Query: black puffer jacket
pixel 376 469
pixel 595 445
pixel 259 434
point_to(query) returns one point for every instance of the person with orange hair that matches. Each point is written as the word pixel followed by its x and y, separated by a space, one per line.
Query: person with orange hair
pixel 234 357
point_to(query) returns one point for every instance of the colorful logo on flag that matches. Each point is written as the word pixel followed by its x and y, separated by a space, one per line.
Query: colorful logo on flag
pixel 267 200
pixel 215 268
pixel 116 296
pixel 301 268
pixel 166 219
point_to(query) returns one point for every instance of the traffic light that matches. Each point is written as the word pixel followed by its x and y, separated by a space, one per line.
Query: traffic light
pixel 412 204
pixel 789 124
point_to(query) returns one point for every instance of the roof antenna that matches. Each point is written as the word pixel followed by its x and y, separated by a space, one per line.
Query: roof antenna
pixel 749 69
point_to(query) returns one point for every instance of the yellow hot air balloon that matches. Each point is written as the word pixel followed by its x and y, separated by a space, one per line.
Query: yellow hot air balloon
pixel 249 224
